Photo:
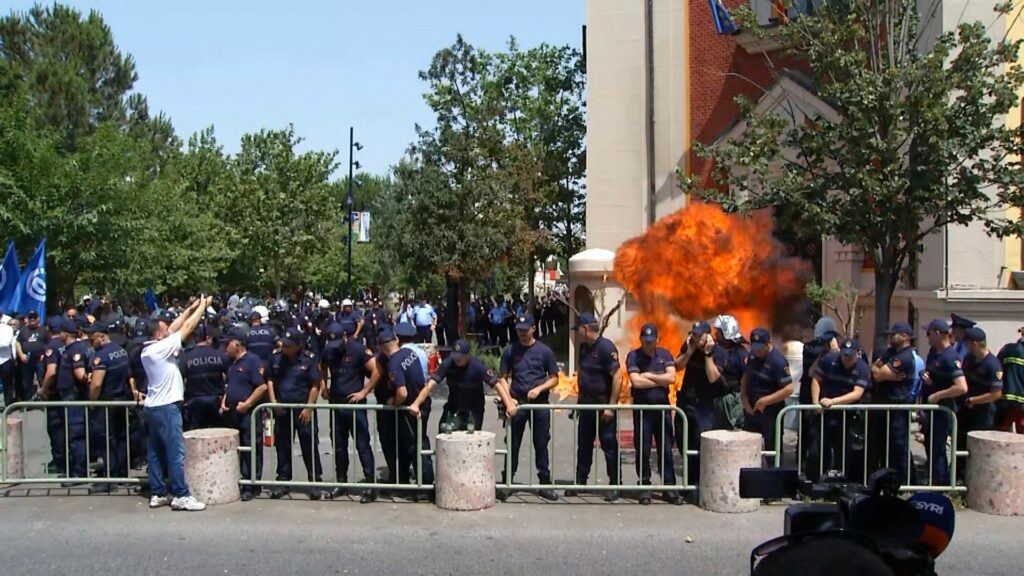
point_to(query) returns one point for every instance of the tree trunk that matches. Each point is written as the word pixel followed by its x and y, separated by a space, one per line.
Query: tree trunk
pixel 884 288
pixel 453 310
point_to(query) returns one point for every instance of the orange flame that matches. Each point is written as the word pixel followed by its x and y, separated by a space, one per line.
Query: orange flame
pixel 701 262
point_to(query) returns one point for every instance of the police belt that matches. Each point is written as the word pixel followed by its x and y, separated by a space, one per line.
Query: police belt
pixel 593 399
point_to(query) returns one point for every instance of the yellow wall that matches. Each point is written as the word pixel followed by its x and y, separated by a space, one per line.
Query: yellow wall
pixel 1015 31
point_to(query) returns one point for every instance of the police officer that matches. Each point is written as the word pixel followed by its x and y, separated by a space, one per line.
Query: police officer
pixel 942 382
pixel 728 407
pixel 73 384
pixel 892 376
pixel 48 391
pixel 837 379
pixel 138 436
pixel 349 313
pixel 375 318
pixel 764 387
pixel 496 316
pixel 246 386
pixel 295 379
pixel 204 369
pixel 703 361
pixel 109 381
pixel 261 339
pixel 1011 408
pixel 465 376
pixel 408 383
pixel 406 336
pixel 383 392
pixel 528 372
pixel 826 341
pixel 984 376
pixel 652 372
pixel 960 326
pixel 425 319
pixel 349 364
pixel 31 344
pixel 600 379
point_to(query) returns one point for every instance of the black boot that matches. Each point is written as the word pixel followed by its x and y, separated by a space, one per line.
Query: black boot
pixel 546 493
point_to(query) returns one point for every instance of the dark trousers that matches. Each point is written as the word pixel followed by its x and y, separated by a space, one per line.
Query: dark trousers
pixel 700 418
pixel 408 452
pixel 891 434
pixel 75 430
pixel 423 334
pixel 55 430
pixel 31 372
pixel 387 434
pixel 7 373
pixel 442 335
pixel 590 425
pixel 460 415
pixel 938 458
pixel 764 423
pixel 138 438
pixel 286 426
pixel 243 423
pixel 651 425
pixel 108 437
pixel 498 334
pixel 203 412
pixel 351 423
pixel 540 424
pixel 825 446
pixel 970 419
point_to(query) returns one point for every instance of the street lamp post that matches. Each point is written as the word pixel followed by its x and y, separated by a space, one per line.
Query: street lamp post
pixel 352 165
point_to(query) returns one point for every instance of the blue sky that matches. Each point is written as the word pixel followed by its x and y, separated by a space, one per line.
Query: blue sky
pixel 320 65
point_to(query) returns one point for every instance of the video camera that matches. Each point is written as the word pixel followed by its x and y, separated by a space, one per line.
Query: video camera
pixel 906 535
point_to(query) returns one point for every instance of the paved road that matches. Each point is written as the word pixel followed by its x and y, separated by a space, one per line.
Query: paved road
pixel 61 534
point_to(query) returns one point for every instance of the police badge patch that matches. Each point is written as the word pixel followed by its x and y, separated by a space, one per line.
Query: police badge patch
pixel 96 361
pixel 76 357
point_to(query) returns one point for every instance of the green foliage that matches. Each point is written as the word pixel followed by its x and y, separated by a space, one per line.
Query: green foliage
pixel 918 141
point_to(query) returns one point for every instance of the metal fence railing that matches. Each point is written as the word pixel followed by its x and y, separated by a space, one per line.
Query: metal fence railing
pixel 856 439
pixel 79 433
pixel 402 434
pixel 671 420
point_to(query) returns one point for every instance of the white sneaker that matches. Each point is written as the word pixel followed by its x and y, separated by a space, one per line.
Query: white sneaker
pixel 158 501
pixel 187 503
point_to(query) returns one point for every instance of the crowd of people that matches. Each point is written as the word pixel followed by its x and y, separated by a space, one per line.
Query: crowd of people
pixel 203 365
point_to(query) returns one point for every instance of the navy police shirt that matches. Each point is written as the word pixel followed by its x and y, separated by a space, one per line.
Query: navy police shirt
pixel 836 379
pixel 530 367
pixel 465 383
pixel 984 375
pixel 74 356
pixel 245 375
pixel 260 342
pixel 203 368
pixel 404 371
pixel 767 376
pixel 294 377
pixel 639 362
pixel 735 364
pixel 696 386
pixel 943 367
pixel 598 364
pixel 901 362
pixel 113 359
pixel 346 362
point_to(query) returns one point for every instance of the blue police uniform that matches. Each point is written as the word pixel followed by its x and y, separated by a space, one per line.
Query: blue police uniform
pixel 943 367
pixel 836 380
pixel 346 362
pixel 354 316
pixel 138 434
pixel 983 375
pixel 652 424
pixel 765 377
pixel 598 364
pixel 75 356
pixel 204 369
pixel 892 425
pixel 423 316
pixel 404 371
pixel 55 416
pixel 245 375
pixel 293 379
pixel 387 421
pixel 530 367
pixel 374 320
pixel 465 389
pixel 260 341
pixel 696 399
pixel 498 332
pixel 113 427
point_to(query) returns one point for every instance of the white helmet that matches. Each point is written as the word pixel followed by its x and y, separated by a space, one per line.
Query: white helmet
pixel 346 302
pixel 729 326
pixel 324 304
pixel 263 312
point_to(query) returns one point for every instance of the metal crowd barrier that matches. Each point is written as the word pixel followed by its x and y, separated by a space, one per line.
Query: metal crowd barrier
pixel 113 411
pixel 867 414
pixel 598 460
pixel 268 410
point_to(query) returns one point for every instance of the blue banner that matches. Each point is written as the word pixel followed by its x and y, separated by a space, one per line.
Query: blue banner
pixel 9 278
pixel 151 300
pixel 32 285
pixel 724 24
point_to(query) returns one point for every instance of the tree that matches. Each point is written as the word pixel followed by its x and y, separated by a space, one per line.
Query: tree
pixel 919 142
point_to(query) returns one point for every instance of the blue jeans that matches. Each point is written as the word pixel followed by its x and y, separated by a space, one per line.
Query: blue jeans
pixel 166 450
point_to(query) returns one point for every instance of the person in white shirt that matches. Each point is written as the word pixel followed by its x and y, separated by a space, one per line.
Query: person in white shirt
pixel 7 355
pixel 162 407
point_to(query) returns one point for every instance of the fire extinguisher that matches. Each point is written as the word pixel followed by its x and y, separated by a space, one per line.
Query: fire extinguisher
pixel 433 361
pixel 268 431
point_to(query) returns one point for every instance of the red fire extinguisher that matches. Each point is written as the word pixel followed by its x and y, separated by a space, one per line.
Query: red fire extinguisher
pixel 433 361
pixel 268 432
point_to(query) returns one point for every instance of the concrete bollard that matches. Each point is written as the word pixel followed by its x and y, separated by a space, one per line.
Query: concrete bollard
pixel 722 454
pixel 211 465
pixel 15 464
pixel 465 471
pixel 995 473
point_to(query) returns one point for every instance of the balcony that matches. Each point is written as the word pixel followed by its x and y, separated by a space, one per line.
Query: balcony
pixel 769 19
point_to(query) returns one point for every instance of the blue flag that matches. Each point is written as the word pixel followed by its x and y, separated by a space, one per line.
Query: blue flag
pixel 151 300
pixel 724 23
pixel 32 286
pixel 9 277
